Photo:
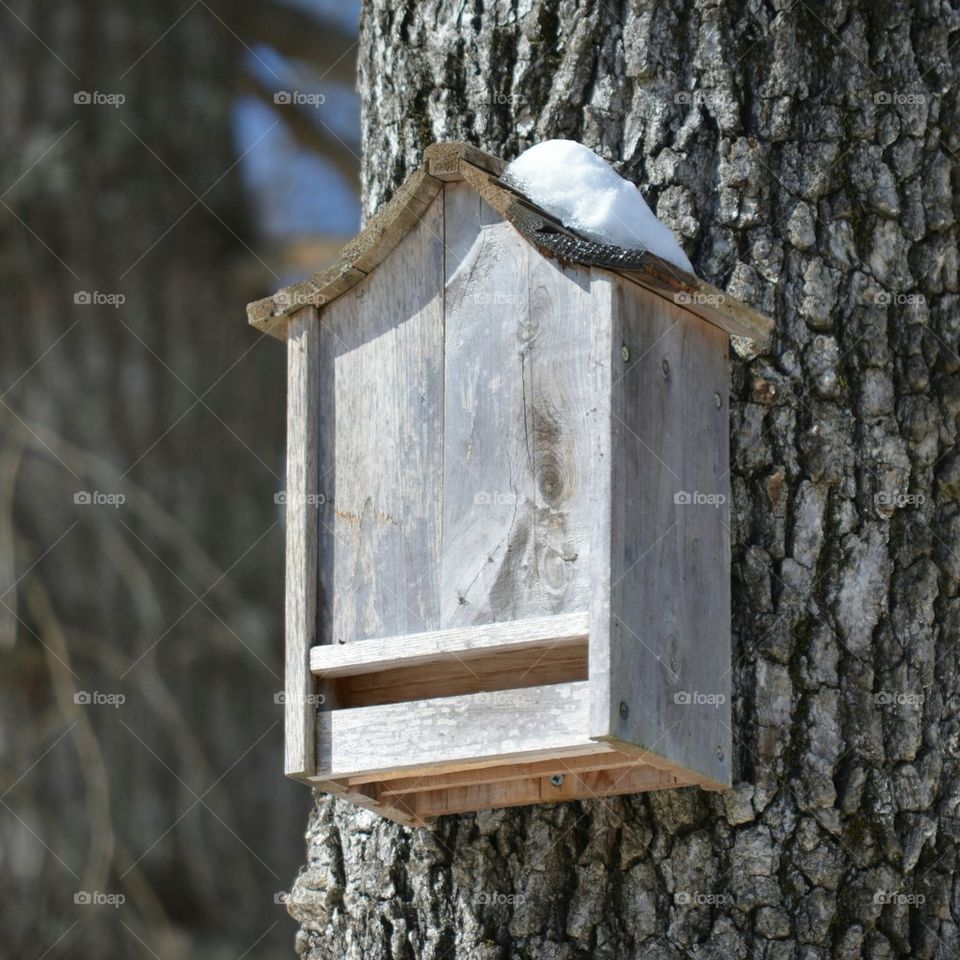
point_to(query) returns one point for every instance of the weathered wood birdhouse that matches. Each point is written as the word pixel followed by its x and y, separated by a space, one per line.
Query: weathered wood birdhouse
pixel 507 509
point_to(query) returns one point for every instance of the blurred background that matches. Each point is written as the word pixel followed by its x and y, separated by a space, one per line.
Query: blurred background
pixel 163 164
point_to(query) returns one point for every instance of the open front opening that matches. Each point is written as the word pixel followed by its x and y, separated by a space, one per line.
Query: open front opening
pixel 447 663
pixel 455 674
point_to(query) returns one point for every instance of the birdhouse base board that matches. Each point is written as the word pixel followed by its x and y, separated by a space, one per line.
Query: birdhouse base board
pixel 414 800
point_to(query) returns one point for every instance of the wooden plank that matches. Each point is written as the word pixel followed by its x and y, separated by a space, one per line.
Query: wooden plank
pixel 560 408
pixel 514 793
pixel 370 797
pixel 528 667
pixel 459 643
pixel 515 771
pixel 385 445
pixel 666 684
pixel 301 542
pixel 700 298
pixel 587 748
pixel 515 424
pixel 528 724
pixel 487 480
pixel 608 357
pixel 331 344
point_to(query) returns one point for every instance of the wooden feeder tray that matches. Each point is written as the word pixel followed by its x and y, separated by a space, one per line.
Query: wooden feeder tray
pixel 506 507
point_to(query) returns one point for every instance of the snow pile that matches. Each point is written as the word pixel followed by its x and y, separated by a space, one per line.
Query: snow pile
pixel 586 194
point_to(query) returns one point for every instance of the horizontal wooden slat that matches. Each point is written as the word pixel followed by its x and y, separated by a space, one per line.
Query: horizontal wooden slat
pixel 426 735
pixel 370 797
pixel 514 771
pixel 463 643
pixel 513 793
pixel 562 754
pixel 531 666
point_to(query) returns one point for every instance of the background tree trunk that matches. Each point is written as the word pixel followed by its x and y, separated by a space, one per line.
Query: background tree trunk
pixel 808 158
pixel 167 399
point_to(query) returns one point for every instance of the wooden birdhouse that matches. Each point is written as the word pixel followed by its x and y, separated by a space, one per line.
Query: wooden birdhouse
pixel 507 497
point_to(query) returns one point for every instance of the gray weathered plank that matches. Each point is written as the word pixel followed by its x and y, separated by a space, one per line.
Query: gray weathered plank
pixel 461 643
pixel 301 535
pixel 516 457
pixel 669 625
pixel 530 724
pixel 606 356
pixel 384 448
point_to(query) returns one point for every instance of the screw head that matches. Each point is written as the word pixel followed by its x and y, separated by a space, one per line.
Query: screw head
pixel 625 352
pixel 557 780
pixel 719 752
pixel 665 367
pixel 717 402
pixel 624 711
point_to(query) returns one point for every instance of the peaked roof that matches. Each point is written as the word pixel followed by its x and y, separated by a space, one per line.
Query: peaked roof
pixel 460 161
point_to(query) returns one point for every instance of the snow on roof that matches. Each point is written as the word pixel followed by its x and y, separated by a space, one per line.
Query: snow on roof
pixel 582 190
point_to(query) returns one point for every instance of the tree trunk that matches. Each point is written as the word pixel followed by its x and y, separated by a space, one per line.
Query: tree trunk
pixel 808 159
pixel 126 373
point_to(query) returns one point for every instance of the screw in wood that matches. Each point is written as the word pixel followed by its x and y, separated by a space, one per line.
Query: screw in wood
pixel 719 752
pixel 717 402
pixel 665 367
pixel 557 779
pixel 624 711
pixel 626 353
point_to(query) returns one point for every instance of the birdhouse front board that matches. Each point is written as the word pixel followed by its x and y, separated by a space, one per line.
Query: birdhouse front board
pixel 507 510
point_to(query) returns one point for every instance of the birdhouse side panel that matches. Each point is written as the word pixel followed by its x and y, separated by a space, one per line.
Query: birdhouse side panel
pixel 380 445
pixel 301 543
pixel 519 411
pixel 668 687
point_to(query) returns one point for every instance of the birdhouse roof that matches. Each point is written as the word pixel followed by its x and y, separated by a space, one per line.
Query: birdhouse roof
pixel 443 162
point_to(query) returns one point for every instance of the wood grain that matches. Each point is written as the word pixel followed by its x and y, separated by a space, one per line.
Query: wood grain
pixel 459 644
pixel 301 541
pixel 516 771
pixel 525 724
pixel 512 793
pixel 586 748
pixel 669 622
pixel 515 439
pixel 530 666
pixel 385 446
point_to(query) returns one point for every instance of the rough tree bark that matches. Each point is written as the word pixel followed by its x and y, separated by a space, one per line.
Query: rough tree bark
pixel 808 158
